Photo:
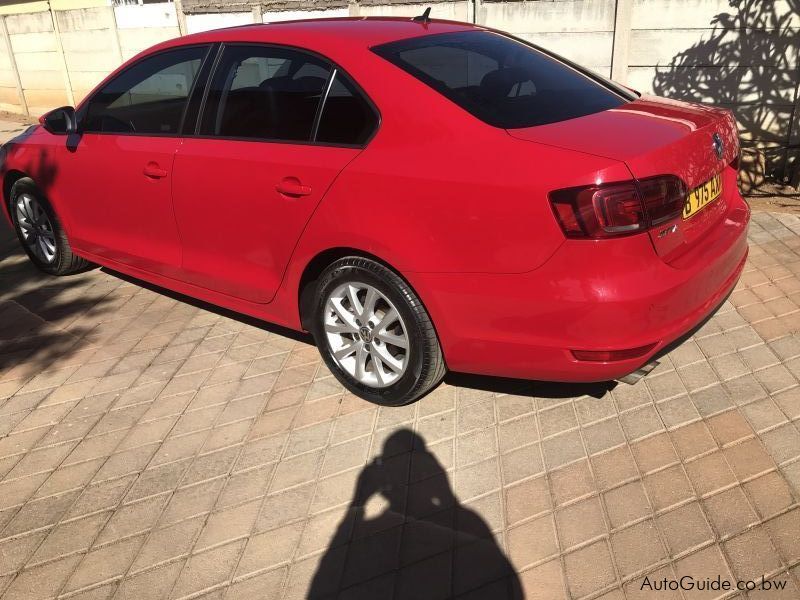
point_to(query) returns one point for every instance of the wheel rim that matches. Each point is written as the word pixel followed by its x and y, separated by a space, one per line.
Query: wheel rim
pixel 366 334
pixel 35 228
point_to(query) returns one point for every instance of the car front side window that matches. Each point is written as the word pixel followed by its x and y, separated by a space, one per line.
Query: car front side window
pixel 148 98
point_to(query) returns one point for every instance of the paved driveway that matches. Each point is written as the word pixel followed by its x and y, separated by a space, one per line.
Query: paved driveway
pixel 154 447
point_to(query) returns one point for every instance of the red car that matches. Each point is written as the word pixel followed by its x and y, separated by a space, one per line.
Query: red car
pixel 419 195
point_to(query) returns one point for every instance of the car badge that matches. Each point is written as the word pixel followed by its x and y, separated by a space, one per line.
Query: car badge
pixel 718 145
pixel 666 231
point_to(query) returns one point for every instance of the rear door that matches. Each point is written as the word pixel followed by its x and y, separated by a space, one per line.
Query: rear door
pixel 278 125
pixel 117 174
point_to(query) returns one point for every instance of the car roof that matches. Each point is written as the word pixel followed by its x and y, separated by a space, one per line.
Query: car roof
pixel 318 34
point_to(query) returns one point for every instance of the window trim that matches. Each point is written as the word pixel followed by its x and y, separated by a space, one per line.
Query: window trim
pixel 84 106
pixel 334 69
pixel 322 102
pixel 203 75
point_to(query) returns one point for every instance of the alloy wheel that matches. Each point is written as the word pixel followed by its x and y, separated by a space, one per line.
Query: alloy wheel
pixel 366 334
pixel 35 228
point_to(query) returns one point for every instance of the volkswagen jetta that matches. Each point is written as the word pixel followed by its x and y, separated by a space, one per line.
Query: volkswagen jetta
pixel 419 195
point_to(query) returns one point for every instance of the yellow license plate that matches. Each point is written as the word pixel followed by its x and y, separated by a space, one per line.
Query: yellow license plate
pixel 702 196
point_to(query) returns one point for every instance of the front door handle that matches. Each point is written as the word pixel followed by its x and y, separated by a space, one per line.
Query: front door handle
pixel 153 171
pixel 291 186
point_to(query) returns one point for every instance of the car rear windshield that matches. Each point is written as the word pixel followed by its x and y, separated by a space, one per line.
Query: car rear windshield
pixel 501 81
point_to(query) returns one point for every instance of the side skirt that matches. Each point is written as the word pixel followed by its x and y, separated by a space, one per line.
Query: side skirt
pixel 264 312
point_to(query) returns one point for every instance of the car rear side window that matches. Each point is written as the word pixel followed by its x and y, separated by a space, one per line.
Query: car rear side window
pixel 501 81
pixel 264 92
pixel 347 118
pixel 147 98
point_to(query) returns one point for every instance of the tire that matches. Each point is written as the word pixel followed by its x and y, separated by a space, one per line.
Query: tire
pixel 381 380
pixel 58 261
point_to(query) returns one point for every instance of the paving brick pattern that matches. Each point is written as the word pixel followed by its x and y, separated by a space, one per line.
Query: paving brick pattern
pixel 152 447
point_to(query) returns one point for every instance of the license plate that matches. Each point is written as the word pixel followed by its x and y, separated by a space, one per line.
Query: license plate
pixel 702 196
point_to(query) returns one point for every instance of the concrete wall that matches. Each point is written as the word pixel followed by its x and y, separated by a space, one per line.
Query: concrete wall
pixel 91 49
pixel 204 22
pixel 456 11
pixel 579 30
pixel 14 8
pixel 60 61
pixel 276 16
pixel 39 61
pixel 741 54
pixel 9 95
pixel 140 26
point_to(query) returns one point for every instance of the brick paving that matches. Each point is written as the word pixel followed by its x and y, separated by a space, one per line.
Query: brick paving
pixel 154 447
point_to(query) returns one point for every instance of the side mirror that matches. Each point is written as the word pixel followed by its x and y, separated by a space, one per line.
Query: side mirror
pixel 60 121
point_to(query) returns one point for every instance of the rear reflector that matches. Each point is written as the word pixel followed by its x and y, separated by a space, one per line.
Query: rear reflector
pixel 609 210
pixel 612 355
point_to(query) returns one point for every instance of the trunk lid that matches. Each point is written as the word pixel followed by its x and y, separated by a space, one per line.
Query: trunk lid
pixel 656 136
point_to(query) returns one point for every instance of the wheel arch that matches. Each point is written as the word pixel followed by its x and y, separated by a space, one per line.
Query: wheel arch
pixel 315 267
pixel 11 177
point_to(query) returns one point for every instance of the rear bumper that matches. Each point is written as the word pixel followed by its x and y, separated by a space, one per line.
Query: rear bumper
pixel 604 295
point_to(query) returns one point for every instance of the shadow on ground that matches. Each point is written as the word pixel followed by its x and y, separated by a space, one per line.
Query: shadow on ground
pixel 500 385
pixel 33 308
pixel 217 310
pixel 39 299
pixel 525 387
pixel 417 542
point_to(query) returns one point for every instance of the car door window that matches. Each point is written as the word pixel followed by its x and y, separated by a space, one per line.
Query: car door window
pixel 147 98
pixel 264 92
pixel 347 118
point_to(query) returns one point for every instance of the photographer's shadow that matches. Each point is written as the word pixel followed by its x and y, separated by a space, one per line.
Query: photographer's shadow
pixel 406 536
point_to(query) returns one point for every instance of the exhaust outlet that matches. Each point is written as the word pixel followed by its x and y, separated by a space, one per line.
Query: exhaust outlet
pixel 632 378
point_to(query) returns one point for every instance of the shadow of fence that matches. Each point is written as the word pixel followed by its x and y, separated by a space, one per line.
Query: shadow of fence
pixel 749 63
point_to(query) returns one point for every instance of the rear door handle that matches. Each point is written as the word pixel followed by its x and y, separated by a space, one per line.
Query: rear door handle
pixel 291 186
pixel 153 171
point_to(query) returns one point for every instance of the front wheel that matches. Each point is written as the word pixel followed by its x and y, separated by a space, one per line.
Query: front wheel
pixel 40 232
pixel 374 333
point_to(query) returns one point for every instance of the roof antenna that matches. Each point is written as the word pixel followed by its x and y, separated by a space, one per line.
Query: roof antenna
pixel 425 17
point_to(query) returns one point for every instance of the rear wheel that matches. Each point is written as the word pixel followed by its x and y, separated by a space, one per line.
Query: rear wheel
pixel 374 333
pixel 40 232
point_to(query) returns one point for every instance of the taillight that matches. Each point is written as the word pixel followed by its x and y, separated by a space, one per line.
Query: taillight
pixel 608 210
pixel 663 198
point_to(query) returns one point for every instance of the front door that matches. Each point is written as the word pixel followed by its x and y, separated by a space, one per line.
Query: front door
pixel 247 184
pixel 117 173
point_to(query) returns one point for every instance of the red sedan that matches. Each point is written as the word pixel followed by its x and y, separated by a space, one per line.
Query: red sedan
pixel 419 195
